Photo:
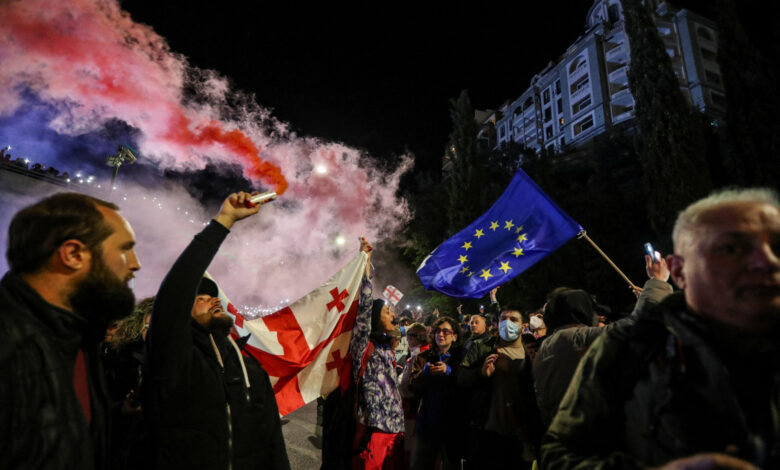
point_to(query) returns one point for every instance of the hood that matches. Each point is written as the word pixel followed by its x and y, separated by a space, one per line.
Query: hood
pixel 573 306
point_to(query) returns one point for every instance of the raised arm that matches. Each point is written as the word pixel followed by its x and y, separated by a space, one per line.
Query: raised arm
pixel 362 329
pixel 169 341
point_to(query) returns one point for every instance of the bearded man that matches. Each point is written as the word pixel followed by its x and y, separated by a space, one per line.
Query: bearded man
pixel 208 406
pixel 70 257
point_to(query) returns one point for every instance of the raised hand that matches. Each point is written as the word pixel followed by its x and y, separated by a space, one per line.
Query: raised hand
pixel 237 206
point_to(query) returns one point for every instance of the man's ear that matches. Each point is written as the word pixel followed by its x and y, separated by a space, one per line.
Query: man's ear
pixel 74 255
pixel 675 264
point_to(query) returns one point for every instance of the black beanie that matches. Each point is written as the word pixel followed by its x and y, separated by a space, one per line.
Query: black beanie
pixel 207 287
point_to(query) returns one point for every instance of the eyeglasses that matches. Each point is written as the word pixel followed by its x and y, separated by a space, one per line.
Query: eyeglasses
pixel 443 331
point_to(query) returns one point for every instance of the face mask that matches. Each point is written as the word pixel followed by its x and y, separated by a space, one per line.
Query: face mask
pixel 403 330
pixel 508 330
pixel 536 323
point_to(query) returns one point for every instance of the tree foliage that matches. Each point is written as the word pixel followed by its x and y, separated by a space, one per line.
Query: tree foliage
pixel 671 142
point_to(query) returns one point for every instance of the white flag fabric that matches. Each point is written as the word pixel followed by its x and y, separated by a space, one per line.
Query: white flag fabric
pixel 392 294
pixel 304 346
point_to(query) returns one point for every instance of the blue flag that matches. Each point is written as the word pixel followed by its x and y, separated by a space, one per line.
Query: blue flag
pixel 521 228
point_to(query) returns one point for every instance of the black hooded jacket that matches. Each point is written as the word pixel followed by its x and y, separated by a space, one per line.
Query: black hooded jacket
pixel 195 395
pixel 42 424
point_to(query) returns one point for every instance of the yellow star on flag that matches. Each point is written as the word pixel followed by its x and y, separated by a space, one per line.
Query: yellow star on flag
pixel 518 252
pixel 493 226
pixel 463 259
pixel 505 266
pixel 519 229
pixel 523 237
pixel 479 233
pixel 508 225
pixel 465 269
pixel 471 273
pixel 486 274
pixel 467 246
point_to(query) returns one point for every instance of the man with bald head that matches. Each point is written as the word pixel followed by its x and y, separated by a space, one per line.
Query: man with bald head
pixel 695 382
pixel 71 257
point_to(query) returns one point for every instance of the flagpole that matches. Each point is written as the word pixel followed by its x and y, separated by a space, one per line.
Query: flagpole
pixel 584 235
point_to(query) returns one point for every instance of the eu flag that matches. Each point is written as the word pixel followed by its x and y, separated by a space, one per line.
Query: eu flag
pixel 521 228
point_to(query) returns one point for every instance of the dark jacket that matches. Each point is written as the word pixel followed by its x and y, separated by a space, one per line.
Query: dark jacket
pixel 195 397
pixel 43 425
pixel 440 399
pixel 568 318
pixel 665 388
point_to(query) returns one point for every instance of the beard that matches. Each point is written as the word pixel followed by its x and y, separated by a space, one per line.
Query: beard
pixel 101 297
pixel 220 323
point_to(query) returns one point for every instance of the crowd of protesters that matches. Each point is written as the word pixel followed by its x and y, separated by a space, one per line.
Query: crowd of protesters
pixel 688 379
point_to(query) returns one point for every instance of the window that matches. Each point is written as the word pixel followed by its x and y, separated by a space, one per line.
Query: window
pixel 708 54
pixel 613 12
pixel 501 132
pixel 712 77
pixel 579 84
pixel 580 105
pixel 518 111
pixel 561 122
pixel 546 96
pixel 560 106
pixel 547 114
pixel 557 87
pixel 577 64
pixel 583 125
pixel 705 33
pixel 718 99
pixel 548 131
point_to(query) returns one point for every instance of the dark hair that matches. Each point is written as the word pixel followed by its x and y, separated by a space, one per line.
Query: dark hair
pixel 37 231
pixel 454 324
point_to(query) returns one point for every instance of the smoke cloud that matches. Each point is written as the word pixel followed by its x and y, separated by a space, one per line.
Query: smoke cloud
pixel 77 68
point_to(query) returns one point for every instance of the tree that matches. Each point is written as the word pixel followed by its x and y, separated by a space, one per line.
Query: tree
pixel 752 125
pixel 671 142
pixel 467 175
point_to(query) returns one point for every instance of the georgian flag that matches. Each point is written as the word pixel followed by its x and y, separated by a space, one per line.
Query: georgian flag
pixel 304 346
pixel 392 294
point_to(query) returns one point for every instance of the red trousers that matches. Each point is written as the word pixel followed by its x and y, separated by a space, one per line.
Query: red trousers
pixel 383 451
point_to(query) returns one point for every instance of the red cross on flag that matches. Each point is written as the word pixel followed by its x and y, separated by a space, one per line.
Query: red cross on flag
pixel 303 347
pixel 392 294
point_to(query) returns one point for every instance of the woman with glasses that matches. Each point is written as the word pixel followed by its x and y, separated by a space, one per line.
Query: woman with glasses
pixel 433 380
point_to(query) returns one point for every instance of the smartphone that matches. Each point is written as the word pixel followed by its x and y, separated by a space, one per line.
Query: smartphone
pixel 651 251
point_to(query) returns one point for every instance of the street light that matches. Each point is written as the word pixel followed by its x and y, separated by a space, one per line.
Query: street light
pixel 123 155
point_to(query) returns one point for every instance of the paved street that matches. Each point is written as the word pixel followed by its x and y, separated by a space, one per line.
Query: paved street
pixel 298 429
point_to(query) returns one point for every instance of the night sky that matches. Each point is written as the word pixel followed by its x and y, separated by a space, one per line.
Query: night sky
pixel 376 76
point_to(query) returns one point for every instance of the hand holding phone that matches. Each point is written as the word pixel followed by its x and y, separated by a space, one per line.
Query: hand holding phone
pixel 651 252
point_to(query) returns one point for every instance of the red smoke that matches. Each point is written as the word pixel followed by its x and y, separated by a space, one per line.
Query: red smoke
pixel 235 141
pixel 90 60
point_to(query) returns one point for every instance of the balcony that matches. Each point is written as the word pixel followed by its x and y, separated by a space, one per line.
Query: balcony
pixel 618 75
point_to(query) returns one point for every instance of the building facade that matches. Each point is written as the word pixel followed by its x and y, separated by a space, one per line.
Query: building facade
pixel 586 91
